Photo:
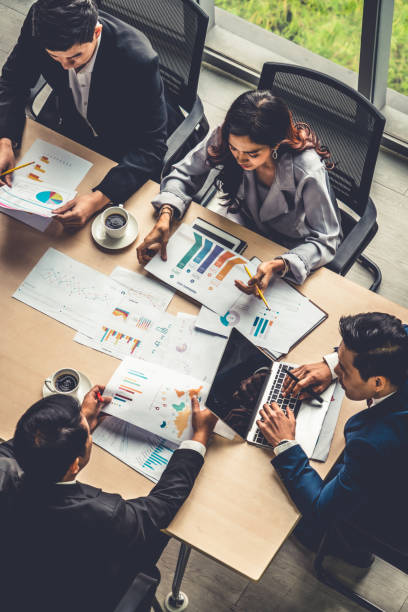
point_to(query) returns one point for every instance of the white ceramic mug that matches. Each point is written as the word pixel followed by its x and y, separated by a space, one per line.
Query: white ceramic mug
pixel 62 380
pixel 115 232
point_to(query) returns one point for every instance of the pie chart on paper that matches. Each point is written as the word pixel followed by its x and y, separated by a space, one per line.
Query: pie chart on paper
pixel 50 197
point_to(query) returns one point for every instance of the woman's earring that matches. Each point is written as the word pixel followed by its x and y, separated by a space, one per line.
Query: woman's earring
pixel 275 154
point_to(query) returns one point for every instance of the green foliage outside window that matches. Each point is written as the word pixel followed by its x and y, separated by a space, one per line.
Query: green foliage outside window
pixel 330 28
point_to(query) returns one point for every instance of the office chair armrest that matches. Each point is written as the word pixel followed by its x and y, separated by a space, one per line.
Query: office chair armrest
pixel 355 241
pixel 39 86
pixel 182 133
pixel 141 591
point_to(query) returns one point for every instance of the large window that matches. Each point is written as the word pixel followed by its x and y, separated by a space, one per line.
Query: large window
pixel 398 69
pixel 331 29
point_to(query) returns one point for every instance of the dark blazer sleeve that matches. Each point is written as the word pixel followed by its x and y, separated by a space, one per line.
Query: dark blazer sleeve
pixel 20 72
pixel 173 488
pixel 143 157
pixel 323 501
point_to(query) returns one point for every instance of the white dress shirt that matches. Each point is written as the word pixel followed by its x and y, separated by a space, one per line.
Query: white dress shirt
pixel 80 83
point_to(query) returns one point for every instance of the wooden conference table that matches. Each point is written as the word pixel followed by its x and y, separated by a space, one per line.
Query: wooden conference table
pixel 238 512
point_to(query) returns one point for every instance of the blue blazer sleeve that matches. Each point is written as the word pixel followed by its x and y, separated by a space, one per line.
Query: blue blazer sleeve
pixel 322 501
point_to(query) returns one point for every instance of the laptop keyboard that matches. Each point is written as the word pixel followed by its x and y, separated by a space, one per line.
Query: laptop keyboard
pixel 275 395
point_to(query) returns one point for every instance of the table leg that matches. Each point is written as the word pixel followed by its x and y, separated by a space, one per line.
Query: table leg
pixel 176 601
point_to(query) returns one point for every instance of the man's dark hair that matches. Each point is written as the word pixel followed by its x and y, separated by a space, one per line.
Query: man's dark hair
pixel 49 437
pixel 60 24
pixel 381 344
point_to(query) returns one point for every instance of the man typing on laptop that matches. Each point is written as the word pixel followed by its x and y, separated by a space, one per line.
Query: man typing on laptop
pixel 365 485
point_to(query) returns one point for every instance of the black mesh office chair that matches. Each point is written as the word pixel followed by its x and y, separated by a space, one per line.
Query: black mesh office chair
pixel 140 596
pixel 392 554
pixel 351 127
pixel 176 30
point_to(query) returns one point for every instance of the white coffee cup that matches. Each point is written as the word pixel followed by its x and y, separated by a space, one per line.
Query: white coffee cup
pixel 112 220
pixel 64 381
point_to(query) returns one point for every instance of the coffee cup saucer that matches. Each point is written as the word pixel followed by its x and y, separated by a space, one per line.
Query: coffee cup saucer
pixel 100 236
pixel 84 386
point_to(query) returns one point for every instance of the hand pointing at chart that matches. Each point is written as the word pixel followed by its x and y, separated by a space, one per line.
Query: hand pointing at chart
pixel 75 213
pixel 264 274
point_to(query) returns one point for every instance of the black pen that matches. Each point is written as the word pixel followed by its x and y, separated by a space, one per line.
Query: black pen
pixel 315 395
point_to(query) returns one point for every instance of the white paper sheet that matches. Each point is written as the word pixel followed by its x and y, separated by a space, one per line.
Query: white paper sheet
pixel 26 196
pixel 53 165
pixel 142 451
pixel 154 398
pixel 200 268
pixel 188 350
pixel 40 187
pixel 292 315
pixel 310 419
pixel 67 290
pixel 127 329
pixel 35 221
pixel 149 290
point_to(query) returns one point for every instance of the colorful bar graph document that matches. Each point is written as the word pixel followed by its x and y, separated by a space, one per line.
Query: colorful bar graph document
pixel 291 317
pixel 44 185
pixel 142 451
pixel 200 268
pixel 154 398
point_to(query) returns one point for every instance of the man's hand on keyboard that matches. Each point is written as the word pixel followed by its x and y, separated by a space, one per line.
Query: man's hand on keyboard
pixel 275 425
pixel 314 375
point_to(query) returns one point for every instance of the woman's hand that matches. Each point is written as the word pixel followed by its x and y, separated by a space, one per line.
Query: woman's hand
pixel 266 270
pixel 7 160
pixel 155 241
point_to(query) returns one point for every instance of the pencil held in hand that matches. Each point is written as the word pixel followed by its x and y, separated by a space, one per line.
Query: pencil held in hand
pixel 258 289
pixel 16 168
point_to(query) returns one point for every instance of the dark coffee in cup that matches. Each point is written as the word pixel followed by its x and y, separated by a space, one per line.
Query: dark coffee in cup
pixel 65 383
pixel 115 221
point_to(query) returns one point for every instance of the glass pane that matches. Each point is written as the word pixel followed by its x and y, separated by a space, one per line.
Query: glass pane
pixel 398 68
pixel 330 28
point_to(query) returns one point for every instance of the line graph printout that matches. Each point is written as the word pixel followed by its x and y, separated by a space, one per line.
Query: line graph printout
pixel 292 315
pixel 144 289
pixel 144 452
pixel 68 290
pixel 201 268
pixel 154 398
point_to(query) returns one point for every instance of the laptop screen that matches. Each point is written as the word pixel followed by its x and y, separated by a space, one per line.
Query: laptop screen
pixel 239 380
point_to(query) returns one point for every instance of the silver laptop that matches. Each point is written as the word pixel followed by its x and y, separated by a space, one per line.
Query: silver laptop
pixel 245 380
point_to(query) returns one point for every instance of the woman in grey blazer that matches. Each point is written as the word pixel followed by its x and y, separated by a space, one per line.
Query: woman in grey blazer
pixel 274 179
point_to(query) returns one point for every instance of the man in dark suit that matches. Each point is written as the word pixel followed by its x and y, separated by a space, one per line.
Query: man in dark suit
pixel 108 95
pixel 367 485
pixel 69 546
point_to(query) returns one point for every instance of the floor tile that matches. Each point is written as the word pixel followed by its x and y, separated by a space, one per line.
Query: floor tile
pixel 392 171
pixel 10 26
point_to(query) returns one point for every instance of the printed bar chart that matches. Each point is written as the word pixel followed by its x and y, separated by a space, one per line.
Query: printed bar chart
pixel 208 261
pixel 204 251
pixel 198 241
pixel 127 344
pixel 158 457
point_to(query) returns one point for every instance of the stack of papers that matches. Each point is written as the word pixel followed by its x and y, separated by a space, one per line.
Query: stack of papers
pixel 44 185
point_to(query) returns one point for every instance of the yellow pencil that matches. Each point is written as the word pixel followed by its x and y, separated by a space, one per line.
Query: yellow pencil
pixel 16 168
pixel 258 289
